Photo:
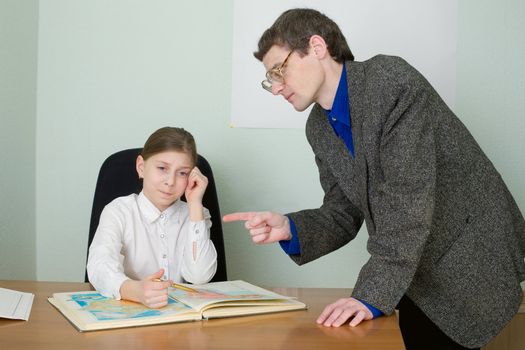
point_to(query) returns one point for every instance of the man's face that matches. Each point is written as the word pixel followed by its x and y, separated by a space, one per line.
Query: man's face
pixel 303 76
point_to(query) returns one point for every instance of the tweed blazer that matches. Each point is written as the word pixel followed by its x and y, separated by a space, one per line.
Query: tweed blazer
pixel 443 228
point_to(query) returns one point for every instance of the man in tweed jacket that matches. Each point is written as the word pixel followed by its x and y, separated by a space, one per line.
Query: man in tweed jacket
pixel 446 239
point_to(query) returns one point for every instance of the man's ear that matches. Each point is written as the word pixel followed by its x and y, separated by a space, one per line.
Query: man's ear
pixel 139 165
pixel 318 46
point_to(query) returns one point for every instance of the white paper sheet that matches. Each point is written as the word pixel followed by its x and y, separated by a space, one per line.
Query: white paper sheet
pixel 15 305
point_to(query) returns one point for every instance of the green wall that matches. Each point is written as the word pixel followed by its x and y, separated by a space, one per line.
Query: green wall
pixel 491 84
pixel 18 67
pixel 110 73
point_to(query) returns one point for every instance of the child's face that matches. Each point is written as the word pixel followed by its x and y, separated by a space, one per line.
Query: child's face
pixel 165 177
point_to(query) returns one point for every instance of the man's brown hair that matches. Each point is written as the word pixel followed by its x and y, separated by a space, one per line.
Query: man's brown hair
pixel 294 28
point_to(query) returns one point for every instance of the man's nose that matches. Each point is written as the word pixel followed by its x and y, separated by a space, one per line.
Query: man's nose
pixel 277 88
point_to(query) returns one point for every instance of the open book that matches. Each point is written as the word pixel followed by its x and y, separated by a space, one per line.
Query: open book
pixel 89 311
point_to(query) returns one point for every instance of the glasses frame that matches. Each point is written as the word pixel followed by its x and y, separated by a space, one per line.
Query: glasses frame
pixel 268 82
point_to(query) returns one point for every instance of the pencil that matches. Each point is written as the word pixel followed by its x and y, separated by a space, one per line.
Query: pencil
pixel 178 286
pixel 184 288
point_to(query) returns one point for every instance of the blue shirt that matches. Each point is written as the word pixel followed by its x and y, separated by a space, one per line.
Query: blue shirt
pixel 339 115
pixel 339 119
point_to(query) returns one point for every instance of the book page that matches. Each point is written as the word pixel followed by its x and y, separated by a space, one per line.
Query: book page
pixel 229 292
pixel 91 310
pixel 251 308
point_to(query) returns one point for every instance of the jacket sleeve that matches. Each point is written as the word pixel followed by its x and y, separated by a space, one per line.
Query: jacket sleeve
pixel 334 224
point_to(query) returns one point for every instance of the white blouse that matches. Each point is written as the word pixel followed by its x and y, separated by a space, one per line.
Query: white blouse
pixel 134 240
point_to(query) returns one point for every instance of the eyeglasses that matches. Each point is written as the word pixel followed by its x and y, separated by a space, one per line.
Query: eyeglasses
pixel 275 75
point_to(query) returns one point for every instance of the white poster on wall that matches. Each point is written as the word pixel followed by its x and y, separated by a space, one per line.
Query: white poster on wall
pixel 422 32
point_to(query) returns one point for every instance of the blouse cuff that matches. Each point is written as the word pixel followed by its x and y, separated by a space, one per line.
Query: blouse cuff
pixel 115 285
pixel 198 231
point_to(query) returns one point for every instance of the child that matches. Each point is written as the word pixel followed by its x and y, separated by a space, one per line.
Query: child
pixel 145 241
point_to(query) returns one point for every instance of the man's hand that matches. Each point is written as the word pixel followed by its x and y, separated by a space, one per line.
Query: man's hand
pixel 264 227
pixel 336 314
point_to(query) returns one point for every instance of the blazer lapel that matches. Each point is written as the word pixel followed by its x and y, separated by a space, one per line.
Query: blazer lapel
pixel 359 100
pixel 333 151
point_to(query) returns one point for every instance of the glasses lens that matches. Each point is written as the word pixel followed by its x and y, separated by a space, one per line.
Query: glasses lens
pixel 266 85
pixel 275 76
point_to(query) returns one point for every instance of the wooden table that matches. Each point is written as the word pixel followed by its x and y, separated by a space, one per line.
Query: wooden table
pixel 512 337
pixel 48 329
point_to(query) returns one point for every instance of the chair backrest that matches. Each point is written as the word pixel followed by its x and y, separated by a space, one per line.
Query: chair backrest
pixel 118 177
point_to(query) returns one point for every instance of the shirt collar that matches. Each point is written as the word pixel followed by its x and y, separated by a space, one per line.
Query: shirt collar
pixel 151 212
pixel 341 107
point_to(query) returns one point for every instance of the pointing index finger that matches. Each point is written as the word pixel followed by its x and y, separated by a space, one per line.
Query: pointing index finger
pixel 242 216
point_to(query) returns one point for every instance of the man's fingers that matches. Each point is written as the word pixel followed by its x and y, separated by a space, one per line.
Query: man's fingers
pixel 343 317
pixel 255 219
pixel 260 230
pixel 243 216
pixel 333 317
pixel 260 238
pixel 339 312
pixel 326 312
pixel 360 316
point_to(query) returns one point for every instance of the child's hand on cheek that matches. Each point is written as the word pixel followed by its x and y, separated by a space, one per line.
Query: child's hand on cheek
pixel 197 184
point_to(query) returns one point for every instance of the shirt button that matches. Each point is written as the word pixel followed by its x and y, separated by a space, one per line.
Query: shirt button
pixel 162 235
pixel 197 231
pixel 334 119
pixel 164 256
pixel 162 216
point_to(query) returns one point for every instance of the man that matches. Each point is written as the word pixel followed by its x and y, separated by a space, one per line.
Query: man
pixel 446 239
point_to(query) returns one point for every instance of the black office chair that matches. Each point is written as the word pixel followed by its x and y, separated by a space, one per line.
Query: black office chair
pixel 118 177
